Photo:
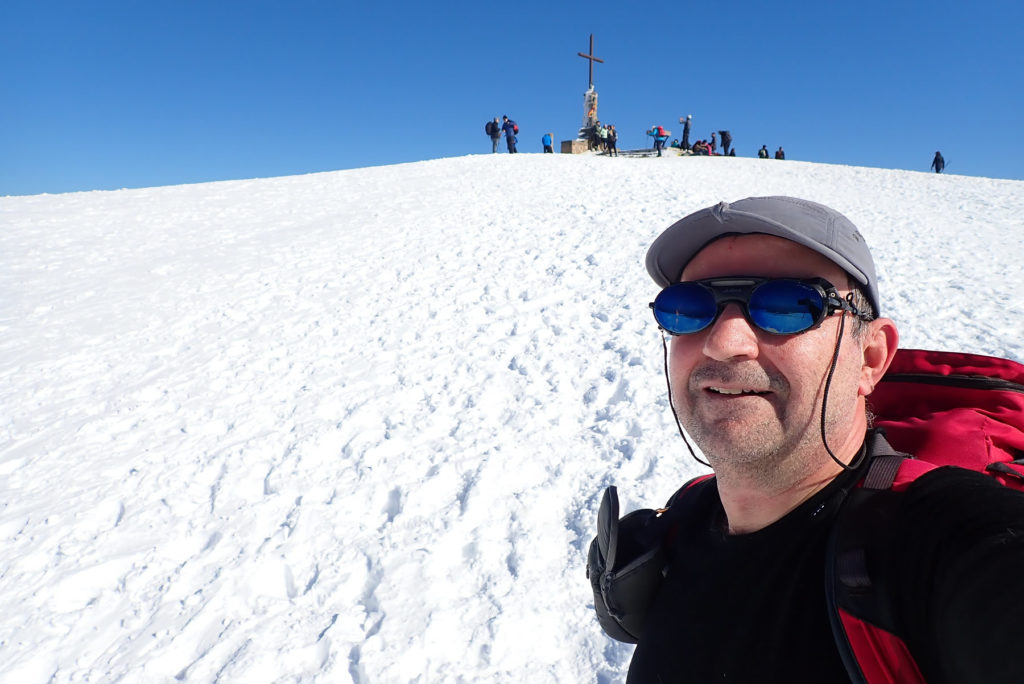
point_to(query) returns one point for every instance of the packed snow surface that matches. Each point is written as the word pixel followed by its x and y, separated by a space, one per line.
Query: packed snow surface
pixel 354 426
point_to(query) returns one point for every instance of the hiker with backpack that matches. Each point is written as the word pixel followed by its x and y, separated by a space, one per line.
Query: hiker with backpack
pixel 938 163
pixel 660 135
pixel 511 130
pixel 493 131
pixel 816 551
pixel 726 141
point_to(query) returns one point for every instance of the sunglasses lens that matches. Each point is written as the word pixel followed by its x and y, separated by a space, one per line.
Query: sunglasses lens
pixel 684 308
pixel 785 306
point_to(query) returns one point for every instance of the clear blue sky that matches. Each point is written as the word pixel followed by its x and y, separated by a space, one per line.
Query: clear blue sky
pixel 112 94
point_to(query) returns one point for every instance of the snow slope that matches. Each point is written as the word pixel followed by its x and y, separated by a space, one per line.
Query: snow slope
pixel 353 426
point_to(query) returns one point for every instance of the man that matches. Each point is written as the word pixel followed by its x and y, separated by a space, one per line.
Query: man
pixel 938 163
pixel 494 131
pixel 685 144
pixel 726 141
pixel 763 152
pixel 771 304
pixel 780 153
pixel 660 135
pixel 508 127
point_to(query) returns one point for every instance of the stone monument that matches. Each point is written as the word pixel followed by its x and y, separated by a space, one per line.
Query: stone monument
pixel 582 141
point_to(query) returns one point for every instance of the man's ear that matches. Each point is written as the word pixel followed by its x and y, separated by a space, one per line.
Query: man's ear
pixel 880 342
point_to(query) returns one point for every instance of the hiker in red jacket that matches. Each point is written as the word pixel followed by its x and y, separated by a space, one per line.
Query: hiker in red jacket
pixel 771 305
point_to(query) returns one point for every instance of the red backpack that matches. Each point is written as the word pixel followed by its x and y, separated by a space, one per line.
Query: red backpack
pixel 945 408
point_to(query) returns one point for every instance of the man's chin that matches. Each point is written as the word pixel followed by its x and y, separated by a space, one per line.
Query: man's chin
pixel 731 441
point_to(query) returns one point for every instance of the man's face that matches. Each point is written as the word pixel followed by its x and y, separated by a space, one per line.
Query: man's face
pixel 753 398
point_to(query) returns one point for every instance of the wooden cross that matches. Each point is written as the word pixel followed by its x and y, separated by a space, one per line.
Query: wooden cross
pixel 592 59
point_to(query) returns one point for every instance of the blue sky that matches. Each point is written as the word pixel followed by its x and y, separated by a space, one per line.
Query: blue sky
pixel 113 94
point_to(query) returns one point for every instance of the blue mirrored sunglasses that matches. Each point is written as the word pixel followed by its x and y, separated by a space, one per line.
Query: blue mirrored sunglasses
pixel 781 306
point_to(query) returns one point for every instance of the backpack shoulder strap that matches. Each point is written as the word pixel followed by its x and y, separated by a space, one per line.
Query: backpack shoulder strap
pixel 863 625
pixel 674 515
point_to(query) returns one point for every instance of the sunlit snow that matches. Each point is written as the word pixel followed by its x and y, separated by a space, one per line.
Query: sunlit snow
pixel 353 426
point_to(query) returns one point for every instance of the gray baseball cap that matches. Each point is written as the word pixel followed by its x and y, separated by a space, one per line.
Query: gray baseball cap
pixel 810 224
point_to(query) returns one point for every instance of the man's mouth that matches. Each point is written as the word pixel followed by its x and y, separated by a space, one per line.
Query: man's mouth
pixel 734 392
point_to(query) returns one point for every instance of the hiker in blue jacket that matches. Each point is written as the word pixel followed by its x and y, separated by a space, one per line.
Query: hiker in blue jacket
pixel 508 127
pixel 660 135
pixel 771 305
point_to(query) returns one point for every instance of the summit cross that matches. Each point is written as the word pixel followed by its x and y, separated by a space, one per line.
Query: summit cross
pixel 592 59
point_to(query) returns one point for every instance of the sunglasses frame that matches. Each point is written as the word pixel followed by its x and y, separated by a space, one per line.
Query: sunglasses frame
pixel 739 289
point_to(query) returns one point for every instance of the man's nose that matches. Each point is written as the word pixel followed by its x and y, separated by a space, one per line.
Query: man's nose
pixel 731 336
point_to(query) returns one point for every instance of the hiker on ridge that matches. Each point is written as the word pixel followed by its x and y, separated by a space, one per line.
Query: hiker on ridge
pixel 660 135
pixel 726 141
pixel 772 307
pixel 509 128
pixel 685 144
pixel 493 130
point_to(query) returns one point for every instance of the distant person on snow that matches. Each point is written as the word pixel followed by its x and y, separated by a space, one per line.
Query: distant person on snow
pixel 613 141
pixel 685 144
pixel 772 569
pixel 726 141
pixel 938 163
pixel 779 154
pixel 594 136
pixel 509 128
pixel 493 130
pixel 660 135
pixel 547 140
pixel 763 152
pixel 713 146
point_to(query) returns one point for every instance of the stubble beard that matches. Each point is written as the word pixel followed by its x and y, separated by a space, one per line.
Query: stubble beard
pixel 759 450
pixel 766 444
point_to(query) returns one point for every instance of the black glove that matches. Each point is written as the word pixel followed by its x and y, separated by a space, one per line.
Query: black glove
pixel 625 566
